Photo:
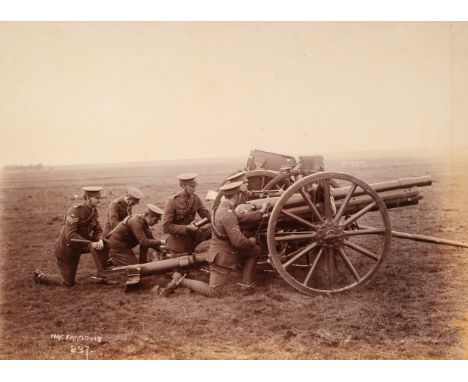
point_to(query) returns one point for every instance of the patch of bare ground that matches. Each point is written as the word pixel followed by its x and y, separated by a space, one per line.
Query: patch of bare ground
pixel 415 308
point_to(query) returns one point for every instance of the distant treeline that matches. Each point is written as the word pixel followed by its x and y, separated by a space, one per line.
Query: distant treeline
pixel 10 167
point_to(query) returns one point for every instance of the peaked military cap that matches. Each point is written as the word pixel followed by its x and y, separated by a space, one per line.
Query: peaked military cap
pixel 92 190
pixel 237 177
pixel 155 209
pixel 231 188
pixel 188 178
pixel 135 193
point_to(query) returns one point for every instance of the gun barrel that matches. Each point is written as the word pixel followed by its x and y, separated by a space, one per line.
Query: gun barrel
pixel 391 198
pixel 167 265
pixel 402 183
pixel 341 192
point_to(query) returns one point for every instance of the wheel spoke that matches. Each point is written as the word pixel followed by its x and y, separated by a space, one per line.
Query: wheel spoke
pixel 262 184
pixel 358 214
pixel 297 218
pixel 327 198
pixel 349 265
pixel 345 202
pixel 312 268
pixel 368 231
pixel 311 205
pixel 289 255
pixel 299 255
pixel 297 236
pixel 361 250
pixel 331 268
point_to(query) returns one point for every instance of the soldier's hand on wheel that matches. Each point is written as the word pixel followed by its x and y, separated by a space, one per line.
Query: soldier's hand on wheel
pixel 192 227
pixel 252 240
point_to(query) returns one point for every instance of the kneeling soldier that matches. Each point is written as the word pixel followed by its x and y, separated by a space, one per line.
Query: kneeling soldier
pixel 179 215
pixel 227 245
pixel 81 224
pixel 130 232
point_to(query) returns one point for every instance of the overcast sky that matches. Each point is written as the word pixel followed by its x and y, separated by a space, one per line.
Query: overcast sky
pixel 73 93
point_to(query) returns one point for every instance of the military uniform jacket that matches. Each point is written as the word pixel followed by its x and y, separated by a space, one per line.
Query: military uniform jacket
pixel 179 211
pixel 227 239
pixel 130 232
pixel 81 222
pixel 118 211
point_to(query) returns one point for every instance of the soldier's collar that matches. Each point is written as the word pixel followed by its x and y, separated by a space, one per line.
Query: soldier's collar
pixel 229 203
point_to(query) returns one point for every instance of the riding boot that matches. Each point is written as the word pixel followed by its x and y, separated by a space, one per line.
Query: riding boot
pixel 249 268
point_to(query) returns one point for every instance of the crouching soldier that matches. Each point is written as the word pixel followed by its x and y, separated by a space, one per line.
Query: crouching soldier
pixel 228 244
pixel 81 233
pixel 179 214
pixel 118 210
pixel 121 207
pixel 130 232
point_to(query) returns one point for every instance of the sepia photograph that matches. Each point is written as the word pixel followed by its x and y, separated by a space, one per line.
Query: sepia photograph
pixel 215 190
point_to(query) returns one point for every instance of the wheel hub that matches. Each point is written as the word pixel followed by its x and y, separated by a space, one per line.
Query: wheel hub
pixel 330 235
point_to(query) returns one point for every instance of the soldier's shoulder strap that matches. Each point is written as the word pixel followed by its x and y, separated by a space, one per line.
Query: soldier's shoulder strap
pixel 173 196
pixel 215 229
pixel 123 222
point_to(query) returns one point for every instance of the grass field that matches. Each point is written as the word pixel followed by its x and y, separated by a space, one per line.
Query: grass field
pixel 415 308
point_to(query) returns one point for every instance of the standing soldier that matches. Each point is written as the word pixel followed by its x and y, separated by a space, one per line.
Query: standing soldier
pixel 82 224
pixel 227 245
pixel 179 215
pixel 130 232
pixel 121 207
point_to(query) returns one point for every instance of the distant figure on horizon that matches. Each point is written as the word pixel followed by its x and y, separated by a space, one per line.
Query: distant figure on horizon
pixel 81 223
pixel 179 214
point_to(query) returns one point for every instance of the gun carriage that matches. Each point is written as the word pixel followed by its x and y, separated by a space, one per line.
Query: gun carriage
pixel 270 173
pixel 325 232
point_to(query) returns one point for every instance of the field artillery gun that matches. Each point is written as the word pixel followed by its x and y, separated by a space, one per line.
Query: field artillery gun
pixel 327 232
pixel 330 232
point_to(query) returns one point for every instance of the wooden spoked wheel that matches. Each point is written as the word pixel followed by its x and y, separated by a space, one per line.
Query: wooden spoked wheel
pixel 314 239
pixel 280 182
pixel 256 181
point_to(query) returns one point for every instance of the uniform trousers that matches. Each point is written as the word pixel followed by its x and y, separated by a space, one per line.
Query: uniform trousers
pixel 121 257
pixel 67 267
pixel 219 276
